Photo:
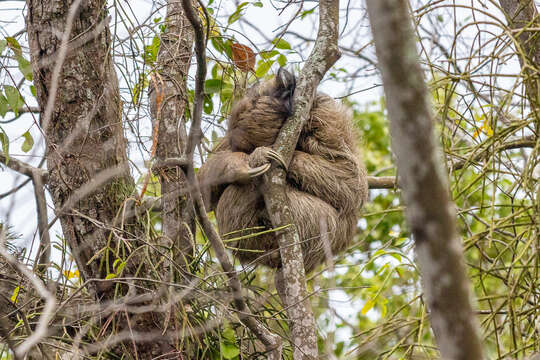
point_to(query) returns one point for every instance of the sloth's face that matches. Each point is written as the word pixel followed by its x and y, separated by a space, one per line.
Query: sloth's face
pixel 280 87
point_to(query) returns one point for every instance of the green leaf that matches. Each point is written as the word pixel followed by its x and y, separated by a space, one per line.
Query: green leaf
pixel 3 44
pixel 263 68
pixel 155 47
pixel 5 144
pixel 234 17
pixel 139 88
pixel 229 334
pixel 110 276
pixel 282 60
pixel 212 86
pixel 307 12
pixel 14 45
pixel 229 351
pixel 150 51
pixel 367 306
pixel 14 98
pixel 3 105
pixel 28 142
pixel 33 90
pixel 237 13
pixel 268 54
pixel 208 104
pixel 214 71
pixel 154 187
pixel 258 4
pixel 25 67
pixel 281 44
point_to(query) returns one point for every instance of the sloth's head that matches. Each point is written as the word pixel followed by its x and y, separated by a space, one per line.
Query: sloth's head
pixel 280 87
pixel 258 116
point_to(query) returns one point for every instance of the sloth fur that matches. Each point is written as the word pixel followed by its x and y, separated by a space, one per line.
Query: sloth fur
pixel 326 179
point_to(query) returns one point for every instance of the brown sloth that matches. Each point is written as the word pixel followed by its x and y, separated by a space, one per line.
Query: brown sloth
pixel 326 180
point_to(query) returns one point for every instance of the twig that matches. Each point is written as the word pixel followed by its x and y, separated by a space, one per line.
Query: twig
pixel 291 280
pixel 271 341
pixel 50 302
pixel 429 209
pixel 44 250
pixel 23 168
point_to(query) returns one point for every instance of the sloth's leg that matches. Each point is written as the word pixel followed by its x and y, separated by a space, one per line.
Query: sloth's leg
pixel 340 182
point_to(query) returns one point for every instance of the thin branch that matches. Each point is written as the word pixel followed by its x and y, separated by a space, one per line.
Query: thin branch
pixel 271 341
pixel 429 210
pixel 291 280
pixel 382 182
pixel 23 168
pixel 44 250
pixel 50 302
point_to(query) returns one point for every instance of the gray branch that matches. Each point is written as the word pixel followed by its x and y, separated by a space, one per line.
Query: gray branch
pixel 271 341
pixel 429 211
pixel 292 279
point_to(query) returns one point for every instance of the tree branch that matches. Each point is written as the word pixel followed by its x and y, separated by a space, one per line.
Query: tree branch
pixel 44 250
pixel 168 98
pixel 22 167
pixel 271 341
pixel 293 281
pixel 429 209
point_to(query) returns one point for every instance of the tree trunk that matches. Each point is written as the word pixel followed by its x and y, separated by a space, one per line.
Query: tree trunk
pixel 89 179
pixel 522 16
pixel 81 116
pixel 429 210
pixel 168 97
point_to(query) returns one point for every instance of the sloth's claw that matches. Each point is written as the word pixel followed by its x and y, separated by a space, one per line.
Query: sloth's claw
pixel 259 170
pixel 275 155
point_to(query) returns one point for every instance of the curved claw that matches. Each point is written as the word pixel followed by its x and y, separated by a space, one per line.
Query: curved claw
pixel 259 170
pixel 275 155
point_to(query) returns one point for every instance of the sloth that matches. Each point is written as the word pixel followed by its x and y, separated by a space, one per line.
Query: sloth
pixel 326 179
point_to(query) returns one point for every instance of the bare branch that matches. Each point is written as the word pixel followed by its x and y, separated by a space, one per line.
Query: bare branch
pixel 429 209
pixel 382 182
pixel 272 342
pixel 22 167
pixel 44 250
pixel 50 302
pixel 292 278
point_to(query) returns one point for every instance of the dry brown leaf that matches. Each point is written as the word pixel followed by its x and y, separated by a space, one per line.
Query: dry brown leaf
pixel 243 57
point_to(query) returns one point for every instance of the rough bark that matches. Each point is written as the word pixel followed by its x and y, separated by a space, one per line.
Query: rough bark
pixel 291 280
pixel 84 131
pixel 522 16
pixel 271 341
pixel 88 174
pixel 168 98
pixel 429 211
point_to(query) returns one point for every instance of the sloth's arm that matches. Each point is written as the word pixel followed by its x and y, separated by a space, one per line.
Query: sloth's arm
pixel 341 182
pixel 221 169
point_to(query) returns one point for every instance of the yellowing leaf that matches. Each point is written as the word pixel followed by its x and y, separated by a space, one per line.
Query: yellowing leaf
pixel 367 306
pixel 72 274
pixel 14 297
